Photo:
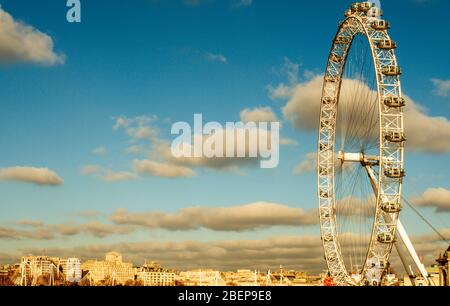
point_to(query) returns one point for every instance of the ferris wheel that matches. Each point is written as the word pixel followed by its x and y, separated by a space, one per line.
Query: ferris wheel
pixel 361 149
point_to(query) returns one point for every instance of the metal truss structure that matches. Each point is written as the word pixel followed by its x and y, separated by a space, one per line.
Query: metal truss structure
pixel 386 171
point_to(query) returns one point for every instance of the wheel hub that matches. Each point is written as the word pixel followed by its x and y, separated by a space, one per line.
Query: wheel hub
pixel 365 160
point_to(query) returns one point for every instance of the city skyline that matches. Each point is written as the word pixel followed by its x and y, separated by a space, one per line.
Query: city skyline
pixel 112 270
pixel 87 112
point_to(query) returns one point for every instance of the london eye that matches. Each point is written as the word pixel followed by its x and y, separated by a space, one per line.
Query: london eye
pixel 360 149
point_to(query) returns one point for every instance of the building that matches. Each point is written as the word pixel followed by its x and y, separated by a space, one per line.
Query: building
pixel 243 278
pixel 112 271
pixel 36 266
pixel 444 268
pixel 283 277
pixel 433 274
pixel 201 278
pixel 4 275
pixel 300 279
pixel 37 270
pixel 114 257
pixel 157 278
pixel 71 267
pixel 151 274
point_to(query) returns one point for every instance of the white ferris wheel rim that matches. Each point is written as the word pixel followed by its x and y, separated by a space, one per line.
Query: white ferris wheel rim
pixel 391 153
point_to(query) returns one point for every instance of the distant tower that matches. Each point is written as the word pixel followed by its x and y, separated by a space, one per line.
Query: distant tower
pixel 444 268
pixel 23 273
pixel 114 257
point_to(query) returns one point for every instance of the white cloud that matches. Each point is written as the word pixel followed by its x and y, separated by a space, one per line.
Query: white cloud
pixel 307 165
pixel 102 230
pixel 31 223
pixel 253 216
pixel 90 169
pixel 167 170
pixel 441 87
pixel 159 160
pixel 437 198
pixel 107 175
pixel 288 142
pixel 138 128
pixel 238 218
pixel 290 70
pixel 114 177
pixel 41 231
pixel 163 151
pixel 424 132
pixel 37 176
pixel 281 91
pixel 20 42
pixel 220 58
pixel 258 114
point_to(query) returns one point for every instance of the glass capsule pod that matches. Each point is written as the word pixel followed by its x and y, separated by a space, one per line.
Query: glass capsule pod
pixel 386 44
pixel 396 137
pixel 386 238
pixel 394 172
pixel 342 40
pixel 392 70
pixel 380 25
pixel 391 207
pixel 394 101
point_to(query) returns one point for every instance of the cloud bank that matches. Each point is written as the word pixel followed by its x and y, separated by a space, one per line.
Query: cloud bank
pixel 37 176
pixel 437 198
pixel 425 133
pixel 20 42
pixel 239 218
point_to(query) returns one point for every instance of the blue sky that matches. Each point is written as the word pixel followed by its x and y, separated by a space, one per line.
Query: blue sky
pixel 173 59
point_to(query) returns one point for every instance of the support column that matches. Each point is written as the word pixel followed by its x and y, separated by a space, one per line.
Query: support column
pixel 401 233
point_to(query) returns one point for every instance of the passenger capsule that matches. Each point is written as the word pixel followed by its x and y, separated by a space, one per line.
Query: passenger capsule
pixel 391 207
pixel 396 137
pixel 387 44
pixel 386 238
pixel 364 6
pixel 394 101
pixel 392 71
pixel 394 173
pixel 342 40
pixel 380 25
pixel 374 12
pixel 348 13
